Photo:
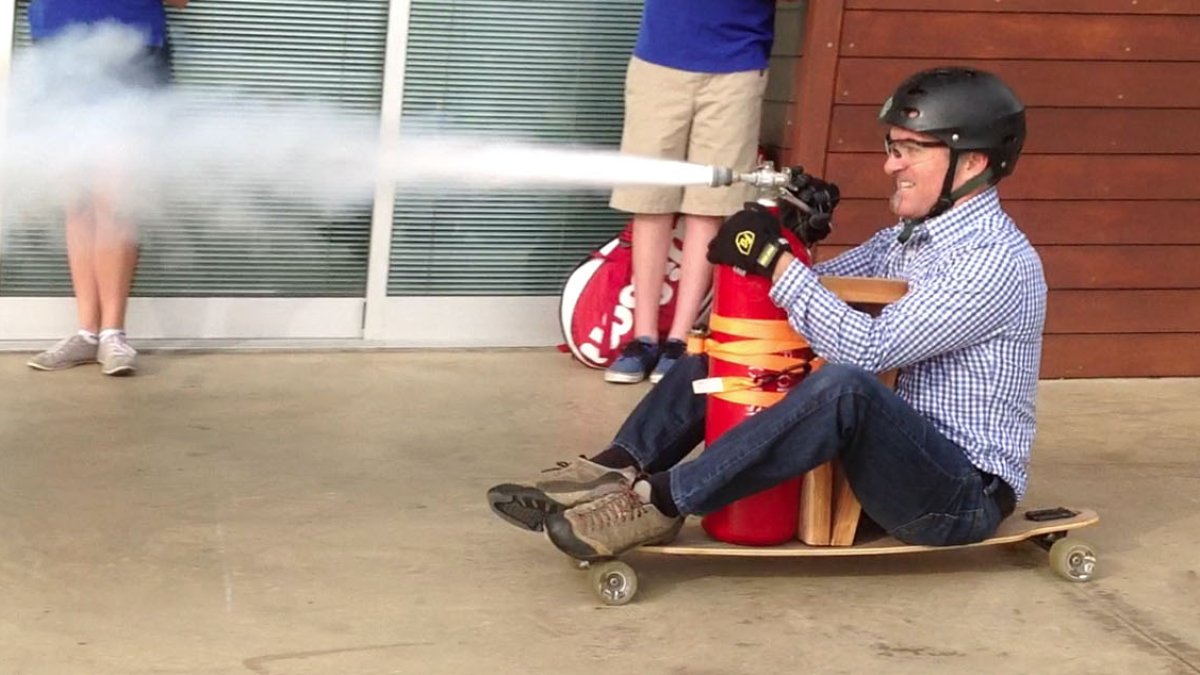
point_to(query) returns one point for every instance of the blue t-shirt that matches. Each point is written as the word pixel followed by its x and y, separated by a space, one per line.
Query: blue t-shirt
pixel 49 17
pixel 707 36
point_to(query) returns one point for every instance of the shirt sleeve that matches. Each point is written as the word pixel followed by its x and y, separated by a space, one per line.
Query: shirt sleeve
pixel 860 261
pixel 970 302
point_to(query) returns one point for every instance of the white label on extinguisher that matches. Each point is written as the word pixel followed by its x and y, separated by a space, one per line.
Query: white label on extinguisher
pixel 709 385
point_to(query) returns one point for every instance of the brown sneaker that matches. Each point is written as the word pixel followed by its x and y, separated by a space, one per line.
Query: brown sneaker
pixel 609 526
pixel 526 505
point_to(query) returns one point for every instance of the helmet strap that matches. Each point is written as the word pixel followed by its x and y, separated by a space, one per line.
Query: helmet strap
pixel 906 232
pixel 984 178
pixel 946 200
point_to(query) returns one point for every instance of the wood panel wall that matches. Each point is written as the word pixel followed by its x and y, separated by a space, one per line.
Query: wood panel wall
pixel 1108 187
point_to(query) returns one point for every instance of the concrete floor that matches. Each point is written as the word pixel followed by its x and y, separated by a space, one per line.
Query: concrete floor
pixel 324 513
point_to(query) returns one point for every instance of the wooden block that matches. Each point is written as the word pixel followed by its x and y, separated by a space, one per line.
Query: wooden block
pixel 816 506
pixel 846 510
pixel 889 378
pixel 866 290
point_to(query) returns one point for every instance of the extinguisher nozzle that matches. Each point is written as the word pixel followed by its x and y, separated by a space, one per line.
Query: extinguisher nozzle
pixel 762 177
pixel 721 176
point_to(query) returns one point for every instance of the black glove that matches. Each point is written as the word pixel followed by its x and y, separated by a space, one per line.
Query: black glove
pixel 814 228
pixel 813 221
pixel 751 240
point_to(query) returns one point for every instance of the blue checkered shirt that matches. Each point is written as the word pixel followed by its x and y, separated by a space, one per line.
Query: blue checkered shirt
pixel 967 337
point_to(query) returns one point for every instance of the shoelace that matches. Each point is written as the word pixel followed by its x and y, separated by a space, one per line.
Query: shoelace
pixel 673 349
pixel 635 348
pixel 610 509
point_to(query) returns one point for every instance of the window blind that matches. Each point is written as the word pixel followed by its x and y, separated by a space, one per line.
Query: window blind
pixel 534 70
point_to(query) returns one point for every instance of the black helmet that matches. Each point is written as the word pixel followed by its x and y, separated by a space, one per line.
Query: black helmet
pixel 970 111
pixel 967 109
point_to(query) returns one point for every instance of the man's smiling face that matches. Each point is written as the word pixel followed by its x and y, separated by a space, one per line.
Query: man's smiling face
pixel 917 164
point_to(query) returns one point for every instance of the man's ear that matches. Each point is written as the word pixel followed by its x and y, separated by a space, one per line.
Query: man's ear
pixel 971 164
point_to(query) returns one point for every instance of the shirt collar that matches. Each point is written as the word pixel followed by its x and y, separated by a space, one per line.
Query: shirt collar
pixel 957 221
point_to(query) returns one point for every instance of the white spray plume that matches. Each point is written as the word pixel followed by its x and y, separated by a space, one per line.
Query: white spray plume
pixel 74 127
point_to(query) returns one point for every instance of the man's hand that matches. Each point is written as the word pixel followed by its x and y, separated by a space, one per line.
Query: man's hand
pixel 751 240
pixel 811 204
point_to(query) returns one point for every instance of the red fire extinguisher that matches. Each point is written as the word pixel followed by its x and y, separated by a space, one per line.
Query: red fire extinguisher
pixel 754 359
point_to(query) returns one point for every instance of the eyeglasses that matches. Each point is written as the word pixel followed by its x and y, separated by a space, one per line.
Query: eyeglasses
pixel 908 149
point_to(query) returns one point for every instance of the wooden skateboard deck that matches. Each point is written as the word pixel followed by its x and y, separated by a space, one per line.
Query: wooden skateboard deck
pixel 692 540
pixel 615 582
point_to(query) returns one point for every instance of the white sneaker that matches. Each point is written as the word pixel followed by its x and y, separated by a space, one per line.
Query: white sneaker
pixel 115 355
pixel 66 353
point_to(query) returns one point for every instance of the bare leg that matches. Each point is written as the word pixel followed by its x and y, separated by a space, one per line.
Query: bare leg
pixel 116 256
pixel 696 273
pixel 651 243
pixel 81 246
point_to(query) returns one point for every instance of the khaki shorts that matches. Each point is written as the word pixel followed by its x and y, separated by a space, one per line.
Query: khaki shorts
pixel 710 119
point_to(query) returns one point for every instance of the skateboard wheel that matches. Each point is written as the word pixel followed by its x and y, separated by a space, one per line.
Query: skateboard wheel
pixel 614 582
pixel 1073 560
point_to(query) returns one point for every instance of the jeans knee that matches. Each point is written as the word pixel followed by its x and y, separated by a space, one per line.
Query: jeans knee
pixel 841 376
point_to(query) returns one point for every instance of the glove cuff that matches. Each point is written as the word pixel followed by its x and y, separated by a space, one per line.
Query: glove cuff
pixel 770 254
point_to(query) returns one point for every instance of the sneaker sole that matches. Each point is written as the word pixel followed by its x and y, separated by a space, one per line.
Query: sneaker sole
pixel 623 378
pixel 525 507
pixel 119 371
pixel 50 369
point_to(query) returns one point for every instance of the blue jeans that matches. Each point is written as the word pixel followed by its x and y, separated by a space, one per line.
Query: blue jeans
pixel 910 479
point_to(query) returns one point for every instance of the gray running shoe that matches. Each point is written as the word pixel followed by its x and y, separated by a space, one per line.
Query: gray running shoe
pixel 116 356
pixel 66 353
pixel 609 526
pixel 560 487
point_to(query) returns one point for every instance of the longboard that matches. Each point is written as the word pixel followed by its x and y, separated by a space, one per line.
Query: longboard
pixel 615 582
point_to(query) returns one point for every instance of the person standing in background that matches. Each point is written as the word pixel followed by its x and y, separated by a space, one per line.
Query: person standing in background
pixel 101 247
pixel 693 92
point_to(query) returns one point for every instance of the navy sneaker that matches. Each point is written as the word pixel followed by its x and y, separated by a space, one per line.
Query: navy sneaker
pixel 635 363
pixel 672 351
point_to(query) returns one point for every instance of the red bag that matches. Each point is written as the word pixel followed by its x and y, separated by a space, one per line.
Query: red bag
pixel 596 306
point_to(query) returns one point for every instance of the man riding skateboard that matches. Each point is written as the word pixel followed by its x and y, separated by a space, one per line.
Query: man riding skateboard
pixel 943 458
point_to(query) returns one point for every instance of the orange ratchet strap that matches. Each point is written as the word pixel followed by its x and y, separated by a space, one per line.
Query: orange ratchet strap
pixel 767 340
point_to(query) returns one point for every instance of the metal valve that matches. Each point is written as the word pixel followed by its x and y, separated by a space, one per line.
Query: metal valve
pixel 763 177
pixel 810 201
